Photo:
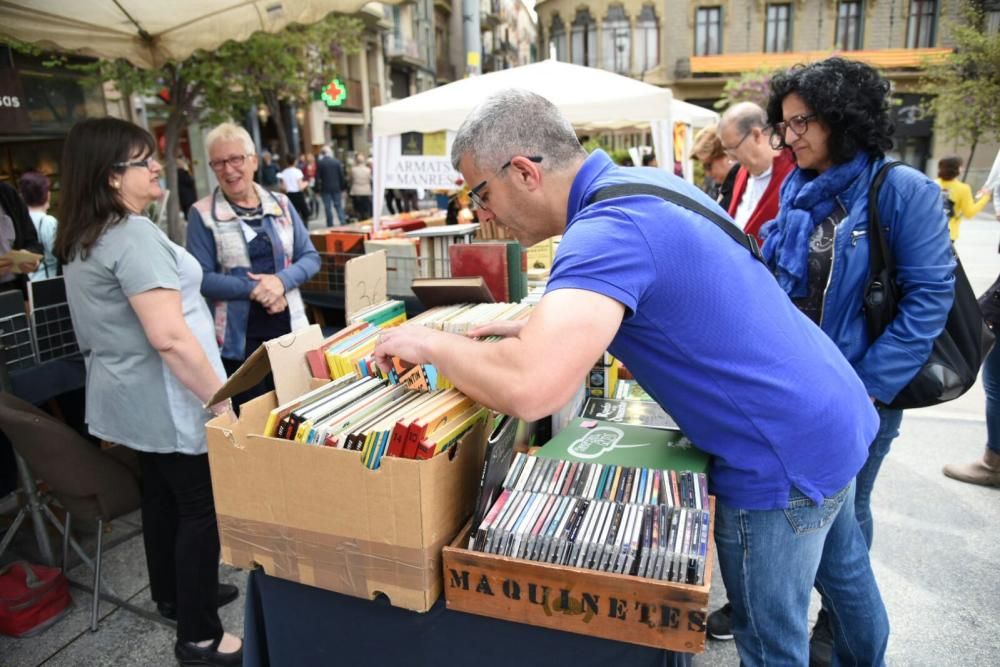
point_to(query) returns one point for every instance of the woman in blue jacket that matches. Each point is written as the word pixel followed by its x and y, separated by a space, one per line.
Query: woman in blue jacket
pixel 834 115
pixel 254 252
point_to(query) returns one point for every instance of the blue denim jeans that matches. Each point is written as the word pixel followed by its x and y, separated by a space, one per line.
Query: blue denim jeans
pixel 991 384
pixel 888 429
pixel 331 201
pixel 770 560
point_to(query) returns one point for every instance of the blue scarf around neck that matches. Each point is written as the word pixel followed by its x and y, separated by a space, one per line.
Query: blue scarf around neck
pixel 806 201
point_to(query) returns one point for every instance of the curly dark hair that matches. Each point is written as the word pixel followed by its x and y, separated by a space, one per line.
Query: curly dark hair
pixel 848 96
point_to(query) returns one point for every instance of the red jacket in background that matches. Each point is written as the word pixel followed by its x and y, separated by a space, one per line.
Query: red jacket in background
pixel 767 208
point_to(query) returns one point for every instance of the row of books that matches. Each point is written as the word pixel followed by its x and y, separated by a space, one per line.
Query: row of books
pixel 376 418
pixel 651 541
pixel 463 317
pixel 386 314
pixel 350 351
pixel 347 353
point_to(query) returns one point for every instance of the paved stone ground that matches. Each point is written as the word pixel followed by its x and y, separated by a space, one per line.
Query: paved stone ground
pixel 934 555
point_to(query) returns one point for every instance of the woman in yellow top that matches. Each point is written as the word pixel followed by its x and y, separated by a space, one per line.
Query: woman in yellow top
pixel 959 203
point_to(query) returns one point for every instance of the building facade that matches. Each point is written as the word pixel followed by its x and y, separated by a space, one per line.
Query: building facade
pixel 344 120
pixel 696 46
pixel 509 34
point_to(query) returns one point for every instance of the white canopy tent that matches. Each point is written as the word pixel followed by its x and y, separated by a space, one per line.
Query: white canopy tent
pixel 592 99
pixel 149 32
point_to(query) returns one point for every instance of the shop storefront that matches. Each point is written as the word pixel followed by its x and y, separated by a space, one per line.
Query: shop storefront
pixel 38 106
pixel 914 135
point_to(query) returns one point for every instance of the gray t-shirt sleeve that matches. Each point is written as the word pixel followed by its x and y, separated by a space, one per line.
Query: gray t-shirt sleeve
pixel 144 259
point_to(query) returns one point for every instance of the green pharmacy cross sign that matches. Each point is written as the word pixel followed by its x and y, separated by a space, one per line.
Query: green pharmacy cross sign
pixel 335 93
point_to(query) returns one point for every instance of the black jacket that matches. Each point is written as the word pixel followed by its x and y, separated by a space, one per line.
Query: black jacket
pixel 330 175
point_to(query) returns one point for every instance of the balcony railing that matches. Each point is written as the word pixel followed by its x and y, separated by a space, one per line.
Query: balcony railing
pixel 399 47
pixel 489 14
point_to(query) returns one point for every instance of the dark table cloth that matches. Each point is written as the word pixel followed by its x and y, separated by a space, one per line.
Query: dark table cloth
pixel 291 624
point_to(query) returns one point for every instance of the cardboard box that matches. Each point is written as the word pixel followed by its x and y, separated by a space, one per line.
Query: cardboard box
pixel 621 607
pixel 316 515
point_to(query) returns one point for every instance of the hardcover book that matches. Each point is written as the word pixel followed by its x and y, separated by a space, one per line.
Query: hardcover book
pixel 447 291
pixel 625 445
pixel 488 260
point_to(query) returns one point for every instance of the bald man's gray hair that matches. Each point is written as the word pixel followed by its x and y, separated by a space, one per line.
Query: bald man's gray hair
pixel 746 116
pixel 516 122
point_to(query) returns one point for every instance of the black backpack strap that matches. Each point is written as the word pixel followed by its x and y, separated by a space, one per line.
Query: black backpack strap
pixel 726 225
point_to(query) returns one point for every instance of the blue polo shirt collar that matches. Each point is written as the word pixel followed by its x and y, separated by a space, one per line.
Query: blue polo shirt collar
pixel 592 169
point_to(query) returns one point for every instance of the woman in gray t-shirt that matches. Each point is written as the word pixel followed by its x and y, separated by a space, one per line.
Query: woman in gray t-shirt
pixel 152 364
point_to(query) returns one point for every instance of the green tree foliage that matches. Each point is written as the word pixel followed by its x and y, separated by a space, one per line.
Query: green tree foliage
pixel 753 86
pixel 210 86
pixel 966 85
pixel 288 66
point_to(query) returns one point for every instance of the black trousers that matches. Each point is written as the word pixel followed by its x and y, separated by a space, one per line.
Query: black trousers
pixel 182 540
pixel 298 200
pixel 362 206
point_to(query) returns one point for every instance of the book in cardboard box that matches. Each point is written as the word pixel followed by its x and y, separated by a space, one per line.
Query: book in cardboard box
pixel 316 515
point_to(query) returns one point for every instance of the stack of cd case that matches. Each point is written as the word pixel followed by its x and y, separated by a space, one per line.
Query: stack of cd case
pixel 634 521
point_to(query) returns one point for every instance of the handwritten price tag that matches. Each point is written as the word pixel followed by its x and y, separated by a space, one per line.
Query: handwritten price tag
pixel 364 282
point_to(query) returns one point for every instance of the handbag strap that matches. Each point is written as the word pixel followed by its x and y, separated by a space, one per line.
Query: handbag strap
pixel 726 225
pixel 879 255
pixel 31 579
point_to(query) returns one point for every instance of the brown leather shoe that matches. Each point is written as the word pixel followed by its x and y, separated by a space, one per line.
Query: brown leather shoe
pixel 984 472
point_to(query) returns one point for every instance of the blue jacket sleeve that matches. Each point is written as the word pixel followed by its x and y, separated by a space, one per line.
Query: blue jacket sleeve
pixel 214 283
pixel 305 260
pixel 925 271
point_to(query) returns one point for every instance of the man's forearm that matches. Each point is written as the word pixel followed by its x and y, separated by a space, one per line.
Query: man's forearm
pixel 499 375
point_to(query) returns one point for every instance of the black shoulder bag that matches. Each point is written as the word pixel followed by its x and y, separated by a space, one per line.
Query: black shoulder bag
pixel 959 350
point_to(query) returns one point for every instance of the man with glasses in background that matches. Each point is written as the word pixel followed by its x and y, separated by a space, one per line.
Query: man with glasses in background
pixel 254 252
pixel 763 169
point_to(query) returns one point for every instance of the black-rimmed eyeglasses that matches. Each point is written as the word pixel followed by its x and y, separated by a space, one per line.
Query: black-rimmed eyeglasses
pixel 145 164
pixel 797 124
pixel 731 150
pixel 475 194
pixel 234 161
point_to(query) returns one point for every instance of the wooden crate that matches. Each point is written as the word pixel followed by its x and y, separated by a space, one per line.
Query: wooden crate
pixel 600 604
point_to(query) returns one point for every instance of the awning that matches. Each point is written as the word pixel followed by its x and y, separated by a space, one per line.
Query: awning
pixel 148 33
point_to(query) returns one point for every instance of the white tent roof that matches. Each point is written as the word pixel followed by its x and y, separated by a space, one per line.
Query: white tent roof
pixel 149 32
pixel 589 97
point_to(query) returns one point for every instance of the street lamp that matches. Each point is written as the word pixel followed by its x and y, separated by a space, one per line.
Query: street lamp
pixel 621 41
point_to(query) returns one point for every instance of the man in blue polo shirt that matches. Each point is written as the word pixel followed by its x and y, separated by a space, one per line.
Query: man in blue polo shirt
pixel 709 334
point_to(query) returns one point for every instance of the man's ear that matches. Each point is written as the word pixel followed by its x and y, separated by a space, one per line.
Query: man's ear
pixel 526 172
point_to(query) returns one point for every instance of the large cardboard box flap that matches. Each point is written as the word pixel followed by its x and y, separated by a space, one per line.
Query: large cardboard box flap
pixel 284 357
